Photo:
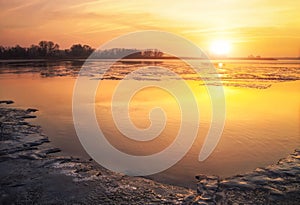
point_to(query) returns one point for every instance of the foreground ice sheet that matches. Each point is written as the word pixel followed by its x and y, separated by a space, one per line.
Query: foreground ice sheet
pixel 31 175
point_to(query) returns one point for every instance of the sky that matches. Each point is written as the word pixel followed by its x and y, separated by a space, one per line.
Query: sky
pixel 258 27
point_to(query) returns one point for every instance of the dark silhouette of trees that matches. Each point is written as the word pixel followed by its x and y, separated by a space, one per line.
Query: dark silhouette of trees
pixel 33 51
pixel 115 53
pixel 14 52
pixel 50 50
pixel 78 50
pixel 45 49
pixel 152 53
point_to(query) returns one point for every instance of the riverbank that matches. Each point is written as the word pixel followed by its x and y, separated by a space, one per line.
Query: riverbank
pixel 32 172
pixel 275 184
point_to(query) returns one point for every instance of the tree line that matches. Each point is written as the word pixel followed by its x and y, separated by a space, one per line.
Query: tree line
pixel 51 50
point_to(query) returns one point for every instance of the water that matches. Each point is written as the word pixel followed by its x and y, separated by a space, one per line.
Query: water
pixel 262 109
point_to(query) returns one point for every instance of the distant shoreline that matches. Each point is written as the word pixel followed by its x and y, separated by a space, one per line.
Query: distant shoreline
pixel 161 58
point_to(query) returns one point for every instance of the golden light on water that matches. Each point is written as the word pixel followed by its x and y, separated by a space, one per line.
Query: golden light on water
pixel 166 90
pixel 257 133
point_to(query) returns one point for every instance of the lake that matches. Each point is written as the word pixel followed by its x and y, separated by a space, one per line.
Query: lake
pixel 262 109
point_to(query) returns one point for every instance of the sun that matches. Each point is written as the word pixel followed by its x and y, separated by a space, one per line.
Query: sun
pixel 220 47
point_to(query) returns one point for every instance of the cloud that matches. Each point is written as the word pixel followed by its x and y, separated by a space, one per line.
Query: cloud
pixel 198 20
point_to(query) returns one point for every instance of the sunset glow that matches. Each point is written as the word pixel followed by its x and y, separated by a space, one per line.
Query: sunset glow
pixel 149 102
pixel 255 27
pixel 220 47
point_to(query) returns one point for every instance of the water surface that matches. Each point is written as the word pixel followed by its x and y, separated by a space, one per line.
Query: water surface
pixel 262 109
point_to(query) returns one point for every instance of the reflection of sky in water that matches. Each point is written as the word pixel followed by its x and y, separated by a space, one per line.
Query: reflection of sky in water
pixel 257 132
pixel 253 74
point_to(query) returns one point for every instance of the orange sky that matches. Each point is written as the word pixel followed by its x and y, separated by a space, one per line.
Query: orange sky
pixel 255 27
